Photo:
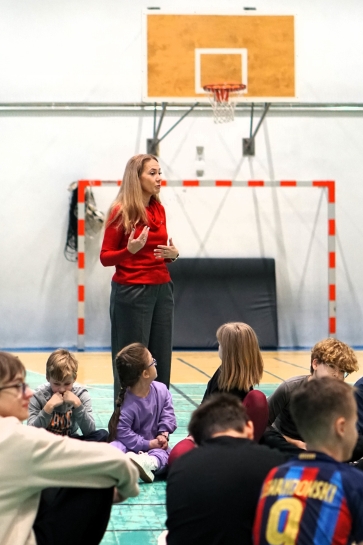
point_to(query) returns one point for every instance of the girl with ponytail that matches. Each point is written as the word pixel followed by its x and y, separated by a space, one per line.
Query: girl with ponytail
pixel 144 415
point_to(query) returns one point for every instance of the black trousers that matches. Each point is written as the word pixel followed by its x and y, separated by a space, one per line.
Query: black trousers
pixel 274 439
pixel 71 516
pixel 98 436
pixel 143 313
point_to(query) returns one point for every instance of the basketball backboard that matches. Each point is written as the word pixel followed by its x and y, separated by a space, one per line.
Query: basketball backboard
pixel 185 52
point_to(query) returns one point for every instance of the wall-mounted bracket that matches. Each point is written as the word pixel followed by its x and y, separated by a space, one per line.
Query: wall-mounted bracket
pixel 152 144
pixel 248 144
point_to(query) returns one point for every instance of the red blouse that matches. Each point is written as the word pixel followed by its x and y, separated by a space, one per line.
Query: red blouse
pixel 142 267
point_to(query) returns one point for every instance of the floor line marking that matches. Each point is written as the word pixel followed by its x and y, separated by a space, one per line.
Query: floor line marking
pixel 193 367
pixel 123 531
pixel 268 372
pixel 294 364
pixel 35 372
pixel 138 504
pixel 184 395
pixel 105 388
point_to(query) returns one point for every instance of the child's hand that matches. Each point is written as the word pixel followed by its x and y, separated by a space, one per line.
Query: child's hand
pixel 117 498
pixel 70 397
pixel 55 401
pixel 163 441
pixel 154 443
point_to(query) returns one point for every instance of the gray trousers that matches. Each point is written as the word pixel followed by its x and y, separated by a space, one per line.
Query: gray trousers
pixel 143 313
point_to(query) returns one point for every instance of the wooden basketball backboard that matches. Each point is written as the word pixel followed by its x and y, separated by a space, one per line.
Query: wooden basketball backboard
pixel 185 52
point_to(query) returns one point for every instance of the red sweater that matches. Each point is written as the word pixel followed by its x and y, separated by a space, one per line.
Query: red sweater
pixel 142 267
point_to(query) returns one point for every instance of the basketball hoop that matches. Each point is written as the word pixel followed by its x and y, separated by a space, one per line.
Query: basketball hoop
pixel 223 98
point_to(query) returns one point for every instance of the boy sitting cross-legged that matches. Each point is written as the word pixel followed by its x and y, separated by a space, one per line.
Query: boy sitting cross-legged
pixel 60 406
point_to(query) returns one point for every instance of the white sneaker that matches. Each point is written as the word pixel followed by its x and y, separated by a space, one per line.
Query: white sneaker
pixel 144 464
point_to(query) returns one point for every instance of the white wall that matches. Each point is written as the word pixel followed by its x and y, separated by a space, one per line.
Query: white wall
pixel 91 50
pixel 41 154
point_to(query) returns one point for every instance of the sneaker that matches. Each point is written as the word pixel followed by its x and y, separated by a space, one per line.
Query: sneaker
pixel 144 464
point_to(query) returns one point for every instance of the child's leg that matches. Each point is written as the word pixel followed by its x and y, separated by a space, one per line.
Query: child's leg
pixel 257 410
pixel 72 516
pixel 146 465
pixel 149 463
pixel 119 445
pixel 99 436
pixel 161 457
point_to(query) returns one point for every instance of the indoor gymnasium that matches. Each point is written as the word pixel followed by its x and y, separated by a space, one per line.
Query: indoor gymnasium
pixel 251 115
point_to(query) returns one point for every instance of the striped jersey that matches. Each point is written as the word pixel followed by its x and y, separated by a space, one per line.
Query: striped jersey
pixel 310 500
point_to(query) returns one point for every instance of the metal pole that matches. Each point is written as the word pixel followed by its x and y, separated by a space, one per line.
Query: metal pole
pixel 266 109
pixel 179 120
pixel 251 122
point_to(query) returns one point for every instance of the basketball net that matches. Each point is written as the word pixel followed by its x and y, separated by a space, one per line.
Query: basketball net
pixel 223 98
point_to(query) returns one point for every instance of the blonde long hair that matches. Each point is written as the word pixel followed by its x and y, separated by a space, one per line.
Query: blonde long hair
pixel 128 204
pixel 242 364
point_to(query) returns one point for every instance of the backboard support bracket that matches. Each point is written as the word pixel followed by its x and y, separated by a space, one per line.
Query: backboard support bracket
pixel 152 144
pixel 248 144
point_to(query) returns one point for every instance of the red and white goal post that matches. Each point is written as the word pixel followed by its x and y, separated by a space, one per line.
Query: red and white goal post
pixel 329 185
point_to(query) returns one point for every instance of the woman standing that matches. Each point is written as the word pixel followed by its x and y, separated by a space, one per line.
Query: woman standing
pixel 135 242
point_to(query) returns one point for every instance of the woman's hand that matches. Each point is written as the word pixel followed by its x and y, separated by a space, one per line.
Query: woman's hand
pixel 166 252
pixel 135 244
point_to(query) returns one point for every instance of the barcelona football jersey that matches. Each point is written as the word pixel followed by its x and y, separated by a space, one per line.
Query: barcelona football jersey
pixel 311 500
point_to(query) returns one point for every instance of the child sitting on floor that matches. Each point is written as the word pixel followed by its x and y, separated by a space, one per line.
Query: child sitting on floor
pixel 144 414
pixel 35 463
pixel 240 370
pixel 61 407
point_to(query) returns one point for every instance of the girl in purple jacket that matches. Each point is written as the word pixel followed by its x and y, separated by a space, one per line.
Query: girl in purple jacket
pixel 144 414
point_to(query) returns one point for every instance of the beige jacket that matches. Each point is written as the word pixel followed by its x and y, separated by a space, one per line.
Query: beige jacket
pixel 33 459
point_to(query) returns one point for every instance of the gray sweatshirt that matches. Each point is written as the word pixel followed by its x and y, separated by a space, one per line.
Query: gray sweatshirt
pixel 65 419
